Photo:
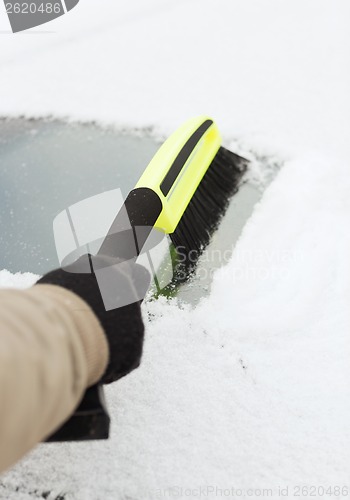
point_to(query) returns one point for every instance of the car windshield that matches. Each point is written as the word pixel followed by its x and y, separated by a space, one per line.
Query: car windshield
pixel 48 166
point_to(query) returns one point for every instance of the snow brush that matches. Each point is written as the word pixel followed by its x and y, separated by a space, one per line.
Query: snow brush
pixel 184 192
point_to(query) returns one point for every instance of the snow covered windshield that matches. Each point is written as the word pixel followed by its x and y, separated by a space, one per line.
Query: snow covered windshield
pixel 47 166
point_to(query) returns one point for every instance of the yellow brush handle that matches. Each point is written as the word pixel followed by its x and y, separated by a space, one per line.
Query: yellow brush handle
pixel 178 167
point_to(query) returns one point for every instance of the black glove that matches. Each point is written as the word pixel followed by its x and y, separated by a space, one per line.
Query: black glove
pixel 123 325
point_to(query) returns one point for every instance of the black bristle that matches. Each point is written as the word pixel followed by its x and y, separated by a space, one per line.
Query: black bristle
pixel 206 208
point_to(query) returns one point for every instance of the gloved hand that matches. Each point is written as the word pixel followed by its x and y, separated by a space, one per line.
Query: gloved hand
pixel 123 326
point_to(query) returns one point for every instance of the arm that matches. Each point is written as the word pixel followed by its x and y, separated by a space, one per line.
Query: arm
pixel 52 347
pixel 57 339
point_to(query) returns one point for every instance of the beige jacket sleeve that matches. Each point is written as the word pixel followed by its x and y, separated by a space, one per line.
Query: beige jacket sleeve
pixel 52 347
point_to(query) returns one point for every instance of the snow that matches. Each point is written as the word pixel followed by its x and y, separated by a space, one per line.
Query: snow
pixel 249 390
pixel 18 280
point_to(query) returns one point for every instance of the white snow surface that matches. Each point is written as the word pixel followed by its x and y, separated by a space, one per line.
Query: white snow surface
pixel 250 390
pixel 17 280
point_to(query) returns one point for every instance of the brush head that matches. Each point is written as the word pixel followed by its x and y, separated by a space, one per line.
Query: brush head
pixel 205 210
